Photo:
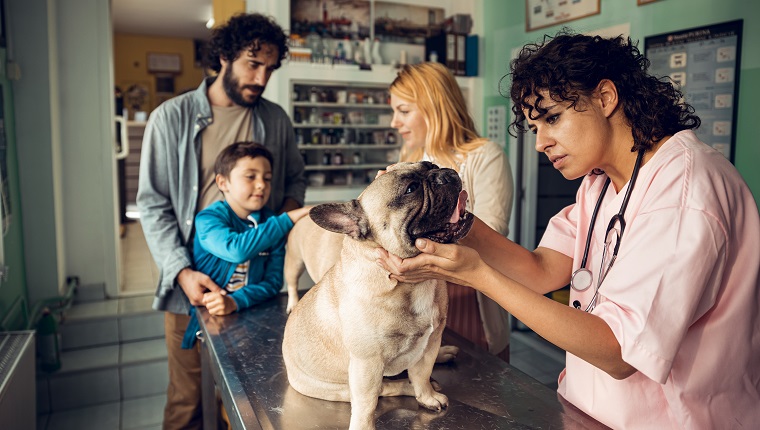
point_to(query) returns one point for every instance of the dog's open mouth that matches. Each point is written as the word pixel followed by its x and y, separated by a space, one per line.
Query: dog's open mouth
pixel 458 226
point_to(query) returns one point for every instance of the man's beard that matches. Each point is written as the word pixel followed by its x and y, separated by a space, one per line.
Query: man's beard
pixel 232 87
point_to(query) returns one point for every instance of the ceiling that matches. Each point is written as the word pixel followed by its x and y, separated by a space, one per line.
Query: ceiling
pixel 168 18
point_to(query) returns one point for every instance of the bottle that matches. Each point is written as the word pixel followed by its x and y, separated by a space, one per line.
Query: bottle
pixel 48 344
pixel 340 53
pixel 326 158
pixel 367 51
pixel 349 55
pixel 314 42
pixel 337 158
pixel 376 58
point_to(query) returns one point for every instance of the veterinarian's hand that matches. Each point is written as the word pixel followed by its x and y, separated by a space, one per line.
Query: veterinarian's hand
pixel 218 304
pixel 194 284
pixel 452 263
pixel 297 214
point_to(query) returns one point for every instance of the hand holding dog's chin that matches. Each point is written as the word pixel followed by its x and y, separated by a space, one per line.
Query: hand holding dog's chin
pixel 447 262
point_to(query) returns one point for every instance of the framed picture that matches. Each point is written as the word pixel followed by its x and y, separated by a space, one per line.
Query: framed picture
pixel 703 62
pixel 545 13
pixel 166 63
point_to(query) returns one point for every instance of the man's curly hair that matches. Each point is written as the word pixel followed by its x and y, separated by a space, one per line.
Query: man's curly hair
pixel 243 32
pixel 570 66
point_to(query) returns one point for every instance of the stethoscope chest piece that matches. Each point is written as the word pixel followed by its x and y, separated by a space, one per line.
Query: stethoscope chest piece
pixel 581 279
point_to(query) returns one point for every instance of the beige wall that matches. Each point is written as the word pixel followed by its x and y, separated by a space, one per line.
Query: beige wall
pixel 130 64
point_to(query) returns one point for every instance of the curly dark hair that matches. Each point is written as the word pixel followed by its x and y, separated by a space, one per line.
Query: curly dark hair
pixel 228 158
pixel 245 31
pixel 570 66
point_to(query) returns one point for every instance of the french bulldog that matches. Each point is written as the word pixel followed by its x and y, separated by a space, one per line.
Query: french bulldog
pixel 357 325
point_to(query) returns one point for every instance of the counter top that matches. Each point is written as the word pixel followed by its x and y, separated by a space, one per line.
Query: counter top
pixel 242 352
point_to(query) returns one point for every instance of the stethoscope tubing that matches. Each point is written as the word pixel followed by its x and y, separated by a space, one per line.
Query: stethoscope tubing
pixel 617 218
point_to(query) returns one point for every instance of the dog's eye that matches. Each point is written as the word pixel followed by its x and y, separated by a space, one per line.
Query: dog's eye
pixel 412 187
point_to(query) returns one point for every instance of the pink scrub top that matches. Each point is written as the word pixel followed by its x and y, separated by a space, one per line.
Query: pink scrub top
pixel 683 297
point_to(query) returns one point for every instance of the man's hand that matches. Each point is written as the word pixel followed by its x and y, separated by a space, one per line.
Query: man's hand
pixel 195 284
pixel 218 304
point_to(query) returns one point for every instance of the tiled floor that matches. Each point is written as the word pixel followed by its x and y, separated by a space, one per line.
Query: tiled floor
pixel 138 270
pixel 144 413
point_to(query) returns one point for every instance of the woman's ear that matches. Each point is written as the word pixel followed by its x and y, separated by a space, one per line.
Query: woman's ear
pixel 221 182
pixel 608 95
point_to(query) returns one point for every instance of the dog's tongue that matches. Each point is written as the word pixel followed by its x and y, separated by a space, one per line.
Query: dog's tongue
pixel 456 216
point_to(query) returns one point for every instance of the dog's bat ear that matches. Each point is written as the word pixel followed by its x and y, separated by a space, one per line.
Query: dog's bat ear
pixel 346 218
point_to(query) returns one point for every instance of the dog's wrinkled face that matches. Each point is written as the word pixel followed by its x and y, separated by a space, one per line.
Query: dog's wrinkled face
pixel 410 201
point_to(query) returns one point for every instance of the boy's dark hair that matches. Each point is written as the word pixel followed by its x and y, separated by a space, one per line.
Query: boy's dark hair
pixel 230 155
pixel 245 31
pixel 570 66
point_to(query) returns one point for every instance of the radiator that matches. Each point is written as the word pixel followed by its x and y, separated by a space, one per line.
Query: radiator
pixel 18 400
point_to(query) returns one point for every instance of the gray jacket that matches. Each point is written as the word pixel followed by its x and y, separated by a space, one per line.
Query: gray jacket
pixel 168 189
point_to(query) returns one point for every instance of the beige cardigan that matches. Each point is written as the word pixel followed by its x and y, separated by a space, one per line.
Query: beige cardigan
pixel 487 177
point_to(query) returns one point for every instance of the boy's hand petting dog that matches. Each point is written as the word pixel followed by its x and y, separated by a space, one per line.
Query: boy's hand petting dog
pixel 218 304
pixel 297 214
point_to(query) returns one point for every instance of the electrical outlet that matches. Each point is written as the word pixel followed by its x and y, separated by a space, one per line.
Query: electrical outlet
pixel 496 125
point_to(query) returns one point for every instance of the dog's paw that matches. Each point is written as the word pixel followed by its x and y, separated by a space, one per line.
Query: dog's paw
pixel 446 353
pixel 435 401
pixel 292 302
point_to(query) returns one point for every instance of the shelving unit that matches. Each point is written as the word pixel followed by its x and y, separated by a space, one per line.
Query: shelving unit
pixel 343 132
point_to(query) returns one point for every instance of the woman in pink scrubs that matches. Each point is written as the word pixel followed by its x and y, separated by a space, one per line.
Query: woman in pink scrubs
pixel 662 245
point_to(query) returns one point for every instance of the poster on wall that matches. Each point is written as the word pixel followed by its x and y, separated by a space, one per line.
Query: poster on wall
pixel 704 63
pixel 545 13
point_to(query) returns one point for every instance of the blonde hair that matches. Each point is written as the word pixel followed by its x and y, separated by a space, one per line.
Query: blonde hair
pixel 451 130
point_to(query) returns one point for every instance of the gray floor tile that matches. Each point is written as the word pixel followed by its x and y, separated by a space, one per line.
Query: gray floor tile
pixel 134 352
pixel 138 327
pixel 84 389
pixel 144 379
pixel 102 309
pixel 89 333
pixel 99 417
pixel 129 305
pixel 89 358
pixel 143 412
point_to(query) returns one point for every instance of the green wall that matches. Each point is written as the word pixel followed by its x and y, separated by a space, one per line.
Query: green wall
pixel 504 28
pixel 13 294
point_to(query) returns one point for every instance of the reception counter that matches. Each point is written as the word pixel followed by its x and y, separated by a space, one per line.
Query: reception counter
pixel 242 358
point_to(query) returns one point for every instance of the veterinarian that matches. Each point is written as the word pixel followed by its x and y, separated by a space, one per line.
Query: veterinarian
pixel 430 114
pixel 661 246
pixel 182 139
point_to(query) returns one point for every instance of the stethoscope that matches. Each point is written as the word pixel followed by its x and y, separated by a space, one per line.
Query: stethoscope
pixel 582 278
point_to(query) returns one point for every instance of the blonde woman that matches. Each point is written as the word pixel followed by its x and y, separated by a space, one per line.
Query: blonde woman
pixel 430 114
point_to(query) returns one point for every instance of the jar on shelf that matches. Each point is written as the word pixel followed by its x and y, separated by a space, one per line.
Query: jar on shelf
pixel 313 119
pixel 337 158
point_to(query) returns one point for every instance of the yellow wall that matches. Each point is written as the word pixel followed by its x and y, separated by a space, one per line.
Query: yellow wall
pixel 224 9
pixel 130 64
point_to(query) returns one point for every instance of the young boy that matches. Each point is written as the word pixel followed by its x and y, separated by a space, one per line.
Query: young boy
pixel 239 242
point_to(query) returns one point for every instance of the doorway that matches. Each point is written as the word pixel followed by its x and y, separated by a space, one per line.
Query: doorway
pixel 142 30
